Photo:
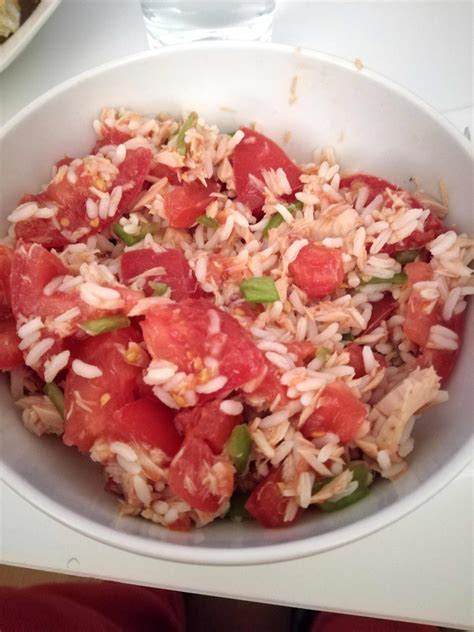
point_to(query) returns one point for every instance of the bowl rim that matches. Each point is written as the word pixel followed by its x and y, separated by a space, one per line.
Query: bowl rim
pixel 196 554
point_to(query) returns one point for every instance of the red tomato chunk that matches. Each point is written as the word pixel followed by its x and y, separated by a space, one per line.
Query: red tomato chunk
pixel 268 505
pixel 185 203
pixel 70 200
pixel 339 411
pixel 201 478
pixel 317 270
pixel 256 153
pixel 177 273
pixel 207 423
pixel 184 334
pixel 91 403
pixel 146 421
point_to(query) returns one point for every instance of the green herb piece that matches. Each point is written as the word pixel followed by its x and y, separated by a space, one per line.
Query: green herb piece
pixel 396 279
pixel 210 222
pixel 131 240
pixel 259 290
pixel 360 474
pixel 239 446
pixel 406 256
pixel 277 218
pixel 159 289
pixel 237 511
pixel 56 395
pixel 347 337
pixel 188 123
pixel 103 325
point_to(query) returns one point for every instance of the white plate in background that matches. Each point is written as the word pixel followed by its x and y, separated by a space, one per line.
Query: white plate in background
pixel 18 41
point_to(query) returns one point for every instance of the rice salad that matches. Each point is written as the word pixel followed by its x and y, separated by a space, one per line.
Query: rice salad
pixel 228 333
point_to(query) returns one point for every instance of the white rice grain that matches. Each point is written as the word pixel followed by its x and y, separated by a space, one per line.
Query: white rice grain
pixel 55 364
pixel 142 490
pixel 123 450
pixel 38 350
pixel 213 385
pixel 442 243
pixel 83 369
pixel 231 407
pixel 30 327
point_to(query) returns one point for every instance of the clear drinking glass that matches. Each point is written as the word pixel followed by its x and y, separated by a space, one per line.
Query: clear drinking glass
pixel 183 21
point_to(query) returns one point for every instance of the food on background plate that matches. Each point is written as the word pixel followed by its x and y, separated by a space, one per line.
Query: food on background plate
pixel 13 13
pixel 229 333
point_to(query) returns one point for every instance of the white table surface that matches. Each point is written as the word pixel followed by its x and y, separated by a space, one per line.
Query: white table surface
pixel 419 569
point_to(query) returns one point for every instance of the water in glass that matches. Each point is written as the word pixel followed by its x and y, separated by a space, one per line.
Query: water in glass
pixel 183 21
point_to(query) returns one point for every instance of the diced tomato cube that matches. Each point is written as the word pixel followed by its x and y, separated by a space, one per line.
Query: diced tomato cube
pixel 317 270
pixel 70 200
pixel 33 267
pixel 177 273
pixel 267 504
pixel 254 154
pixel 10 356
pixel 192 330
pixel 338 411
pixel 90 403
pixel 207 423
pixel 199 477
pixel 186 202
pixel 147 421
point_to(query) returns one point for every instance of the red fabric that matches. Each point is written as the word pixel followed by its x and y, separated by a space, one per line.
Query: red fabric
pixel 331 622
pixel 91 607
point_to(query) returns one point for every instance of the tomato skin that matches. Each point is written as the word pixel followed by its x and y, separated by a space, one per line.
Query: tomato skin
pixel 70 200
pixel 10 356
pixel 207 423
pixel 381 310
pixel 180 333
pixel 119 378
pixel 254 153
pixel 317 270
pixel 178 275
pixel 188 476
pixel 267 504
pixel 6 258
pixel 186 202
pixel 148 421
pixel 339 411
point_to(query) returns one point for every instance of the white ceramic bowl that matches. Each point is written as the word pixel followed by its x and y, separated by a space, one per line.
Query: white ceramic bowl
pixel 374 125
pixel 13 46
